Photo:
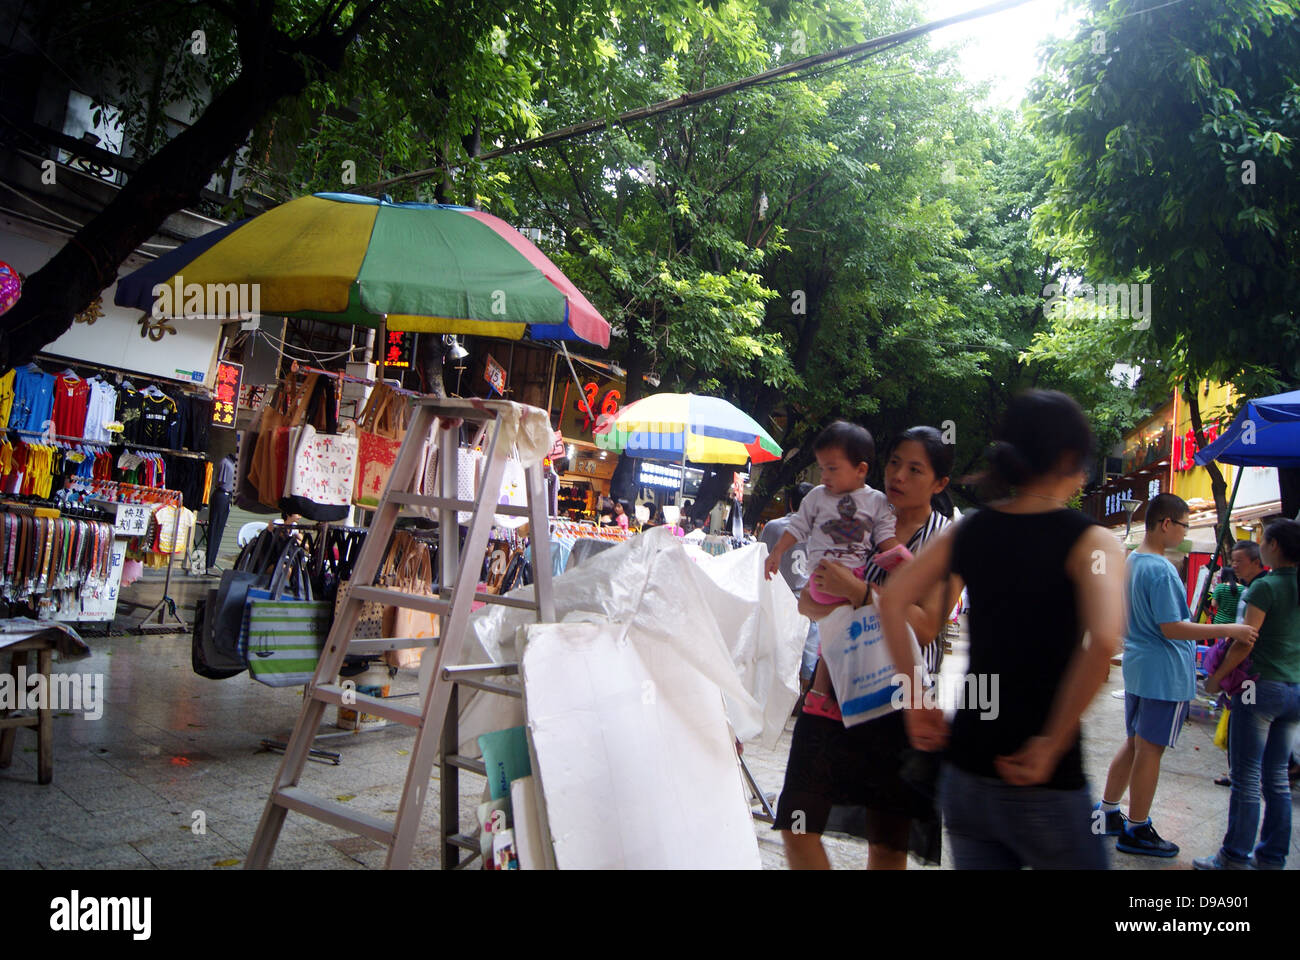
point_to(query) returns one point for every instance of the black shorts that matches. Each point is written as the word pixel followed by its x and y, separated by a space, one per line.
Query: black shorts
pixel 863 781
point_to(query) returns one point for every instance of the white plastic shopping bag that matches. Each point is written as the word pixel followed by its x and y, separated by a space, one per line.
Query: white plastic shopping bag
pixel 857 657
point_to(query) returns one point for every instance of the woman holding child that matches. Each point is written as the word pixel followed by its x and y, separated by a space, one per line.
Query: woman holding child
pixel 865 780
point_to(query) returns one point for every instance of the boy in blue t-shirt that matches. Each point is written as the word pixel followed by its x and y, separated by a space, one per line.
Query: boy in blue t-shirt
pixel 1159 678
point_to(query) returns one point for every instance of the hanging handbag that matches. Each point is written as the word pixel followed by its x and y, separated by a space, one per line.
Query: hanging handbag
pixel 246 497
pixel 415 575
pixel 286 633
pixel 469 472
pixel 261 466
pixel 252 569
pixel 380 430
pixel 371 620
pixel 201 641
pixel 321 475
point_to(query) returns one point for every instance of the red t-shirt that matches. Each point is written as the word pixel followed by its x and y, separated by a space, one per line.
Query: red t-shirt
pixel 71 399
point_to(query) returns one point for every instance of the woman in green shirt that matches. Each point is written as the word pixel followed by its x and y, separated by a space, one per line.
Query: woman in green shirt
pixel 1265 715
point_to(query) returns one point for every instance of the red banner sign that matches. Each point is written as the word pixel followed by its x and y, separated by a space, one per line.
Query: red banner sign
pixel 225 400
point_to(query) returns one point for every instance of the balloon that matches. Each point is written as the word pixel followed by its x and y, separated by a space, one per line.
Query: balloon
pixel 11 288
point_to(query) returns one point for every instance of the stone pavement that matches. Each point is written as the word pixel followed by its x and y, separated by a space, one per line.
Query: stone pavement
pixel 127 786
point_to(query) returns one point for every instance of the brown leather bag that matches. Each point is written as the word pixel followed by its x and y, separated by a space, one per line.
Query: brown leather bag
pixel 270 460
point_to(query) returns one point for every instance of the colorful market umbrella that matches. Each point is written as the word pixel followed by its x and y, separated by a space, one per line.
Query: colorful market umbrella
pixel 705 429
pixel 429 268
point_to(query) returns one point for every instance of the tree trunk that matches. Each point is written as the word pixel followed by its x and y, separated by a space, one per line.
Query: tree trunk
pixel 433 370
pixel 167 182
pixel 623 485
pixel 773 480
pixel 1218 485
pixel 715 486
pixel 1288 481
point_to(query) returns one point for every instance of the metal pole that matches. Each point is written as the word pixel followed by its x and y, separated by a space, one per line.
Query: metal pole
pixel 1218 545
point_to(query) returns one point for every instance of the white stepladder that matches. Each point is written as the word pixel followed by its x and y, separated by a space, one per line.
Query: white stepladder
pixel 458 577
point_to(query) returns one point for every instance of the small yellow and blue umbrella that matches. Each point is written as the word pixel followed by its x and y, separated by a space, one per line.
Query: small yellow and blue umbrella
pixel 668 426
pixel 423 267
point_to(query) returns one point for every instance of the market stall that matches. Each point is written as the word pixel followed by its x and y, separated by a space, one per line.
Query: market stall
pixel 300 458
pixel 89 449
pixel 1266 433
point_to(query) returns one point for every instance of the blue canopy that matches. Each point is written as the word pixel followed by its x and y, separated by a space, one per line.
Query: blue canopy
pixel 1265 434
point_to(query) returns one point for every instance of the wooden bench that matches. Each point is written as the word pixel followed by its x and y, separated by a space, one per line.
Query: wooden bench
pixel 41 639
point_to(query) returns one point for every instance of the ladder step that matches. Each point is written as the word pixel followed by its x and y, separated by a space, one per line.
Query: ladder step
pixel 384 644
pixel 335 813
pixel 364 703
pixel 465 763
pixel 465 842
pixel 396 598
pixel 490 687
pixel 479 670
pixel 451 503
pixel 506 601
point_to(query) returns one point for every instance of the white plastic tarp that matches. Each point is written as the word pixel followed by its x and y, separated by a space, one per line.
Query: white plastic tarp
pixel 633 753
pixel 741 631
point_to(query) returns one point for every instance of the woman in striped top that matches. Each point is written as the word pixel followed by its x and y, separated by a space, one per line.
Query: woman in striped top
pixel 866 781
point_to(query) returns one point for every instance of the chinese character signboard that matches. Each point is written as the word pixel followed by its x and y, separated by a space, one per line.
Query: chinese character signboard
pixel 132 519
pixel 225 399
pixel 495 374
pixel 398 350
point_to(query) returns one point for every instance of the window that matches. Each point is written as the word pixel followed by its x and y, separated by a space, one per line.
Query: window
pixel 97 125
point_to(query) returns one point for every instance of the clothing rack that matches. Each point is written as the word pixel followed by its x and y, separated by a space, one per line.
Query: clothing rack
pixel 297 367
pixel 166 600
pixel 172 498
pixel 144 494
pixel 194 385
pixel 188 454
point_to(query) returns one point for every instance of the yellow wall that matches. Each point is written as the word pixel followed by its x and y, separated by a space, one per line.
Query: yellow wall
pixel 1194 484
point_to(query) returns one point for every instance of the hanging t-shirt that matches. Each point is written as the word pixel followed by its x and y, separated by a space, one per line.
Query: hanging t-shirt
pixel 157 416
pixel 71 398
pixel 6 398
pixel 200 419
pixel 33 398
pixel 130 402
pixel 100 411
pixel 14 479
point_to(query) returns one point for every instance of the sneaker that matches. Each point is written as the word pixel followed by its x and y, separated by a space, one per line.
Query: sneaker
pixel 1264 865
pixel 1115 821
pixel 1218 862
pixel 1142 839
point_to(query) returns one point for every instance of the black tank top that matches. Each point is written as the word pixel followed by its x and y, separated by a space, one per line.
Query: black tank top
pixel 1024 629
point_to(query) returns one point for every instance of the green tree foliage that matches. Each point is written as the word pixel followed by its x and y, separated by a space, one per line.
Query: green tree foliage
pixel 305 85
pixel 1174 159
pixel 1172 130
